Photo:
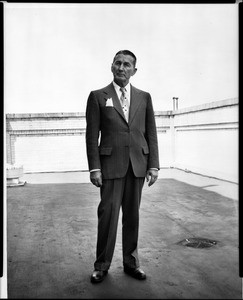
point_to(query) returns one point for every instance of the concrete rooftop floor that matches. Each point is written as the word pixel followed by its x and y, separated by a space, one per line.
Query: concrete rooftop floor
pixel 51 239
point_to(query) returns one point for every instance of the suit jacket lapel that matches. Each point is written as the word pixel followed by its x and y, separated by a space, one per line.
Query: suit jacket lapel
pixel 111 93
pixel 134 103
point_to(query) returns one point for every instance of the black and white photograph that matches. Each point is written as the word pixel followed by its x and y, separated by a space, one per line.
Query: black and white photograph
pixel 121 124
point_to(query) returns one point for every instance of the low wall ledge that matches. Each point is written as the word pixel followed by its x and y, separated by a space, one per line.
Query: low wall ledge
pixel 46 115
pixel 207 106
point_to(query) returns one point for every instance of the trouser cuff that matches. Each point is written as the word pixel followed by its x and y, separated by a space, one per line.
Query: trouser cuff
pixel 102 266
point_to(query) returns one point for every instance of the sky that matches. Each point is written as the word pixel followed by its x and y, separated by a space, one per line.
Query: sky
pixel 55 54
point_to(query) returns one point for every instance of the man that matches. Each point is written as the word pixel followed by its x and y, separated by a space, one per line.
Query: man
pixel 122 150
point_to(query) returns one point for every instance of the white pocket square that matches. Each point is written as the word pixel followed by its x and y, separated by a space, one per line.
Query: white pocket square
pixel 109 102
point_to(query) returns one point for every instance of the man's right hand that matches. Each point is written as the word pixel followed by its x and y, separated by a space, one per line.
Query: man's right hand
pixel 96 178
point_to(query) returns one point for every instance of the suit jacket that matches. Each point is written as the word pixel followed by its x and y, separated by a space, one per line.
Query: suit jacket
pixel 111 142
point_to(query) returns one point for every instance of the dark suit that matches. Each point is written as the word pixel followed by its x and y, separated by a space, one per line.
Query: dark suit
pixel 124 153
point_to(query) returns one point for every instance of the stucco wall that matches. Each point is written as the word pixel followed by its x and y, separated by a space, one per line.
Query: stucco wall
pixel 206 139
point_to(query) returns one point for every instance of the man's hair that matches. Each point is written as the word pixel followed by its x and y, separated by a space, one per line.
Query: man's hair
pixel 127 52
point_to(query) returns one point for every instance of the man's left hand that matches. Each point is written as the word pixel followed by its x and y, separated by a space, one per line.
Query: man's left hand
pixel 151 176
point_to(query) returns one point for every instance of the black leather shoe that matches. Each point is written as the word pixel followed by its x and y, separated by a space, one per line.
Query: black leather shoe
pixel 98 276
pixel 135 272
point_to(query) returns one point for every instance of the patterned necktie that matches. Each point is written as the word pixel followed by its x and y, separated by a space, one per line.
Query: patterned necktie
pixel 124 103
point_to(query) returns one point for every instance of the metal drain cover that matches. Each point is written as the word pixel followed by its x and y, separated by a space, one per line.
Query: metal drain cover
pixel 198 243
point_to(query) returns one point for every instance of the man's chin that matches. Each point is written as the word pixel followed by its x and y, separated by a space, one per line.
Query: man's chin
pixel 121 80
pixel 121 76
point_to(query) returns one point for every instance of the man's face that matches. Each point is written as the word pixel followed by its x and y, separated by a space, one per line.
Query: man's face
pixel 123 68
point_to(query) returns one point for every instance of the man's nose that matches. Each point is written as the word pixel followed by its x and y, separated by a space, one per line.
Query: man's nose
pixel 121 67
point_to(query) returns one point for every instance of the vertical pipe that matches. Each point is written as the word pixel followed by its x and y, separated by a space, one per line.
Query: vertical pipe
pixel 175 103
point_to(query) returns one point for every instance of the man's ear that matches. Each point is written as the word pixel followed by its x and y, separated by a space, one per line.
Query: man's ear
pixel 134 71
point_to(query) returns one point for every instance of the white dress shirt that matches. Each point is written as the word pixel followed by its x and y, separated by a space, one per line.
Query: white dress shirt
pixel 119 93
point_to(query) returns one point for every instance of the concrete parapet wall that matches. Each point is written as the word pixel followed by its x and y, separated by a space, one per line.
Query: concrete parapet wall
pixel 47 142
pixel 206 139
pixel 201 139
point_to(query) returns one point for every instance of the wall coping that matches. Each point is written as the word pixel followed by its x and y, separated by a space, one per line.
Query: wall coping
pixel 205 106
pixel 46 115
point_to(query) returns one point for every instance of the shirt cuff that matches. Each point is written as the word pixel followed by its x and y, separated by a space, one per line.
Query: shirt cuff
pixel 154 169
pixel 93 170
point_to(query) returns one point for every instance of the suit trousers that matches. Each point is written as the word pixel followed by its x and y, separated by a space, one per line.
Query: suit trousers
pixel 119 193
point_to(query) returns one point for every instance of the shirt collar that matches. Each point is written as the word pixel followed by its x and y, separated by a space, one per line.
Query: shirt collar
pixel 117 88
